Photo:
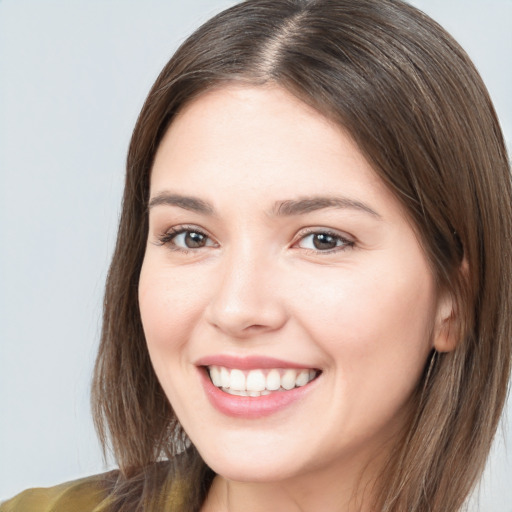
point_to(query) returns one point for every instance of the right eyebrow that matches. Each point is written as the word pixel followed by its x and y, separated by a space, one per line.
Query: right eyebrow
pixel 187 202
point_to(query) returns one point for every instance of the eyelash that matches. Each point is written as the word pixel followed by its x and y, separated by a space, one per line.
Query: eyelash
pixel 169 236
pixel 345 244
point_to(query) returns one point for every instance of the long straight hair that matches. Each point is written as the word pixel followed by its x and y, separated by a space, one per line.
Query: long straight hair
pixel 418 110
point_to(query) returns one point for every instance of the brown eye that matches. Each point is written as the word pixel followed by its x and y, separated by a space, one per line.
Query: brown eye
pixel 324 242
pixel 184 239
pixel 194 240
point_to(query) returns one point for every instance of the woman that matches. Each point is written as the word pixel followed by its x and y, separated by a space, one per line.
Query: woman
pixel 308 303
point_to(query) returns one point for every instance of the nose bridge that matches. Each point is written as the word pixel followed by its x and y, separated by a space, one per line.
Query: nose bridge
pixel 246 300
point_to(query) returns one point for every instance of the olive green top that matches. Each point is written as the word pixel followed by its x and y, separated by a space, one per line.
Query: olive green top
pixel 84 495
pixel 91 494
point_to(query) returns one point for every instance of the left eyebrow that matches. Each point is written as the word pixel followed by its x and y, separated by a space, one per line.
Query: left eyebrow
pixel 310 204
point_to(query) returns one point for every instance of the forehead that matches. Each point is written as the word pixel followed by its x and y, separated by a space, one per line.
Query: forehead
pixel 261 143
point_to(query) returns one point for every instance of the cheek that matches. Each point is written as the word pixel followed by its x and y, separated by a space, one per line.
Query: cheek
pixel 352 306
pixel 170 305
pixel 170 308
pixel 376 326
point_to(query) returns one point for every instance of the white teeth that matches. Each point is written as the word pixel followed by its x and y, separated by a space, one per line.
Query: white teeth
pixel 273 380
pixel 255 381
pixel 215 376
pixel 237 381
pixel 288 379
pixel 258 382
pixel 224 377
pixel 303 378
pixel 236 392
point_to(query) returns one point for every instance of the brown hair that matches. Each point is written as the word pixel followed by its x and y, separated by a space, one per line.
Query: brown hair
pixel 414 103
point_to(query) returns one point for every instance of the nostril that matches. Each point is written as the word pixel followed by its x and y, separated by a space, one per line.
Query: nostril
pixel 240 324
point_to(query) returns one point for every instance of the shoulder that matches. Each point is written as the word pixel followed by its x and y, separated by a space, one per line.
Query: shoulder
pixel 89 494
pixel 105 492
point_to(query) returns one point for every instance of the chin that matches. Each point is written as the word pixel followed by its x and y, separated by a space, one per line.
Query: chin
pixel 248 471
pixel 251 465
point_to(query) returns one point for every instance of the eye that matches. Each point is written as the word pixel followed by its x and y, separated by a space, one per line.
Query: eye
pixel 186 238
pixel 324 241
pixel 190 240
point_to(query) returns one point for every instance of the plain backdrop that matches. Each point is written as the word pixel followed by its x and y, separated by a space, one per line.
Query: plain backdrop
pixel 73 76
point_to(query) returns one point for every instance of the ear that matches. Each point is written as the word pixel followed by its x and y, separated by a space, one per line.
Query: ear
pixel 445 328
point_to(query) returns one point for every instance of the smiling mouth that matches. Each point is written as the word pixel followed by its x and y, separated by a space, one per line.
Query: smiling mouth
pixel 259 382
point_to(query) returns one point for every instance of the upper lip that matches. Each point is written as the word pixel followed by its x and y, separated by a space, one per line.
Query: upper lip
pixel 248 362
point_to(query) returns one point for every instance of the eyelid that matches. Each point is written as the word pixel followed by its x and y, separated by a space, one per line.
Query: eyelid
pixel 167 237
pixel 348 240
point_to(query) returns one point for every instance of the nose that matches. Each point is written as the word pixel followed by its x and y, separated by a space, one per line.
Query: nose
pixel 248 299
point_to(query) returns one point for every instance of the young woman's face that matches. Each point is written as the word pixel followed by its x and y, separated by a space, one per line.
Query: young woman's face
pixel 279 266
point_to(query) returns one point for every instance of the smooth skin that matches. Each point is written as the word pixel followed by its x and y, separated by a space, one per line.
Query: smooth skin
pixel 280 240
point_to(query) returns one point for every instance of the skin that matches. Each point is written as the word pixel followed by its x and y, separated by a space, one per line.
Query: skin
pixel 366 312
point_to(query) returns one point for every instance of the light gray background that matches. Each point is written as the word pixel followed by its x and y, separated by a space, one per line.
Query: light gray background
pixel 73 76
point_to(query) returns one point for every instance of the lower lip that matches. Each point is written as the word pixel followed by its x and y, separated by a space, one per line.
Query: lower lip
pixel 252 407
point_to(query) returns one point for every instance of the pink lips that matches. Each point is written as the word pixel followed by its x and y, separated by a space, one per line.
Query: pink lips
pixel 250 407
pixel 247 363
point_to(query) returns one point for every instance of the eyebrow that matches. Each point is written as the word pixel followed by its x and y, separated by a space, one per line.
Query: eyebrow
pixel 286 208
pixel 310 204
pixel 193 204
